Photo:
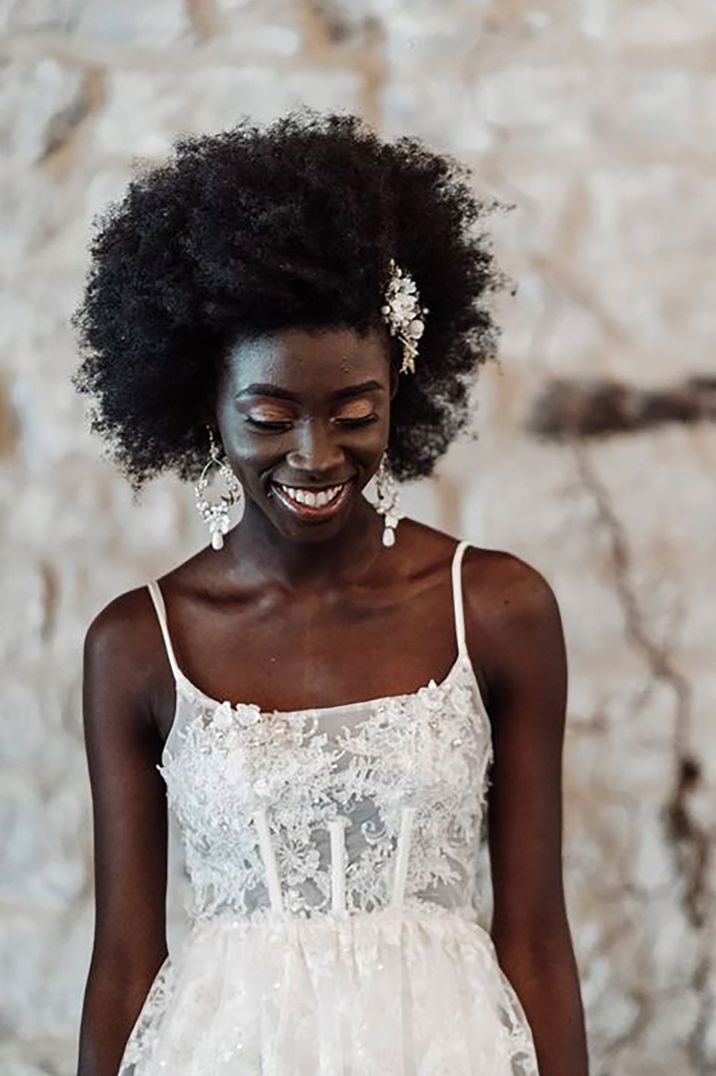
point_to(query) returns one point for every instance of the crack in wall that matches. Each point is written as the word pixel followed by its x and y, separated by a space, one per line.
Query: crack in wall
pixel 688 842
pixel 592 408
pixel 69 127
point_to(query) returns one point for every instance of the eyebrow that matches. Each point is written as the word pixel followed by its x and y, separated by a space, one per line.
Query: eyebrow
pixel 264 389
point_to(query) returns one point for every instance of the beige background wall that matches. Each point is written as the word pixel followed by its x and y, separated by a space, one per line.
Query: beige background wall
pixel 598 119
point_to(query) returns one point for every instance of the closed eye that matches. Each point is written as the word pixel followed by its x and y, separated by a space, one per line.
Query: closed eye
pixel 281 427
pixel 351 423
pixel 269 427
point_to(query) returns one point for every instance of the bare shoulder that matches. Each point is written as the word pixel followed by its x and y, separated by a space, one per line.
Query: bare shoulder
pixel 122 655
pixel 512 617
pixel 506 587
pixel 120 626
pixel 127 627
pixel 498 586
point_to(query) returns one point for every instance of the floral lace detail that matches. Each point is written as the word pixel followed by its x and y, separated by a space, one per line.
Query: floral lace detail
pixel 519 1043
pixel 145 1029
pixel 429 751
pixel 237 997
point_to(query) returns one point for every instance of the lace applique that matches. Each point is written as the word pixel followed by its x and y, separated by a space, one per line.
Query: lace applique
pixel 237 1001
pixel 232 764
pixel 519 1043
pixel 423 750
pixel 145 1029
pixel 429 750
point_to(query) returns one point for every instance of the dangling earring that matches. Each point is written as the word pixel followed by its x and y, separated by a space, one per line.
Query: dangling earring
pixel 217 515
pixel 387 503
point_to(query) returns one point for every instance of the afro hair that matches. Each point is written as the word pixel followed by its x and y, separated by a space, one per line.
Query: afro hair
pixel 248 231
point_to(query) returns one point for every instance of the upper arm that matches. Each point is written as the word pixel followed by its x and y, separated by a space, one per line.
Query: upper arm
pixel 522 655
pixel 123 747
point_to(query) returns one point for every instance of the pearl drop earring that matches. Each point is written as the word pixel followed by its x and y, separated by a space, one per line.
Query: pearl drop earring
pixel 217 515
pixel 387 503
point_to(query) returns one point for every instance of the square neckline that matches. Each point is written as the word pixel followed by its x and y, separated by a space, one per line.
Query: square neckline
pixel 462 658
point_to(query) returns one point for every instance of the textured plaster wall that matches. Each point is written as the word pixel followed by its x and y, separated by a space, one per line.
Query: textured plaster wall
pixel 598 120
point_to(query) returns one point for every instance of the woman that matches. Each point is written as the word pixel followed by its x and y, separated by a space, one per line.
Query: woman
pixel 329 696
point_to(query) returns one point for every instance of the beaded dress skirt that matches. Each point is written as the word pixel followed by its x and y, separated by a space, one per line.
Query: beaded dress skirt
pixel 333 860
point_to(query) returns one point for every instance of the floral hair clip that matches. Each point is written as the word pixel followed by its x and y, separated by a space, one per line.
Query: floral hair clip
pixel 403 313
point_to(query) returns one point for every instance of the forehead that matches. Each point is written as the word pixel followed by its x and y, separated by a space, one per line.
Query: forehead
pixel 308 362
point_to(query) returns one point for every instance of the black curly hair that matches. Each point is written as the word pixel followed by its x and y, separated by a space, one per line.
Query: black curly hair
pixel 249 231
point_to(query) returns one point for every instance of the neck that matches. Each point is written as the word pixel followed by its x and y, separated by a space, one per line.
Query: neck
pixel 255 550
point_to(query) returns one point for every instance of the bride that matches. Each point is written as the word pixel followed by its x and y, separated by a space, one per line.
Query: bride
pixel 335 701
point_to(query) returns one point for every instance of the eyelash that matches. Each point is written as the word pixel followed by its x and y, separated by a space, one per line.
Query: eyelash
pixel 281 427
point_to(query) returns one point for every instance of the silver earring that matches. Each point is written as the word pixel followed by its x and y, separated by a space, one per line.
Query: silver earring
pixel 217 515
pixel 387 503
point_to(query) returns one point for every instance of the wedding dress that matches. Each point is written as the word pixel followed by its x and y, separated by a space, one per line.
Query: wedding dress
pixel 332 857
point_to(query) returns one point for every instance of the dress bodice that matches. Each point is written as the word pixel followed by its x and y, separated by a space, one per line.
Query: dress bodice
pixel 347 809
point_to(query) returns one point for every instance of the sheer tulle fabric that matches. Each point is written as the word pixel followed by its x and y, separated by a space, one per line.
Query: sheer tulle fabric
pixel 404 993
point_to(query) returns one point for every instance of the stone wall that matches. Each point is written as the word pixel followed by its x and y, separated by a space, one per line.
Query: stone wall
pixel 594 459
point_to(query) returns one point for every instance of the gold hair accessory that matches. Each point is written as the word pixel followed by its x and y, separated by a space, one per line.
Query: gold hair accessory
pixel 403 313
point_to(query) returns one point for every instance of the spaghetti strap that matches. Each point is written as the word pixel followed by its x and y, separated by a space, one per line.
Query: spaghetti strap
pixel 457 598
pixel 160 607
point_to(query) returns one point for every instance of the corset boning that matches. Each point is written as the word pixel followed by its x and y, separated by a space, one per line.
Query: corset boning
pixel 345 810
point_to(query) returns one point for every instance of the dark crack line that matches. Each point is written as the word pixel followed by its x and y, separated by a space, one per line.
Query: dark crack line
pixel 687 840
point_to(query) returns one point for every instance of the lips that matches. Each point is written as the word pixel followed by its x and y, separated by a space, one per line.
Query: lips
pixel 311 503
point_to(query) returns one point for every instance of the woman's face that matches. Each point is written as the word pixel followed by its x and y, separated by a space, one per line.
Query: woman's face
pixel 304 419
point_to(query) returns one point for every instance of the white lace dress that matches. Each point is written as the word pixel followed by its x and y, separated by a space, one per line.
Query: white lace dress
pixel 332 855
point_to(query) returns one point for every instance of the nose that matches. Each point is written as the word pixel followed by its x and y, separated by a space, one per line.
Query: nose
pixel 315 450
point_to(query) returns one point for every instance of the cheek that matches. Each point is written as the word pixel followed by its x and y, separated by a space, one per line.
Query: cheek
pixel 370 441
pixel 255 459
pixel 248 454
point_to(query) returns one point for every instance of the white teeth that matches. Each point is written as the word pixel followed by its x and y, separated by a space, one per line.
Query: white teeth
pixel 312 498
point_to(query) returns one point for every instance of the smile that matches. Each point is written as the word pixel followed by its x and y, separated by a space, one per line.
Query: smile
pixel 312 503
